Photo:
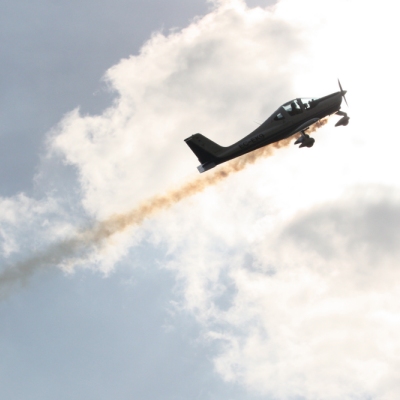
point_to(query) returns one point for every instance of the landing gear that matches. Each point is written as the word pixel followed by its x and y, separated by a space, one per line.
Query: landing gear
pixel 305 140
pixel 342 121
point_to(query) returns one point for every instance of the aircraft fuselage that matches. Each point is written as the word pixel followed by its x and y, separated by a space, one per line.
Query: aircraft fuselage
pixel 292 117
pixel 272 131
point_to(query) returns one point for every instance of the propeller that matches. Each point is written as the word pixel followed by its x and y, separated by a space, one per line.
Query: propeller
pixel 343 92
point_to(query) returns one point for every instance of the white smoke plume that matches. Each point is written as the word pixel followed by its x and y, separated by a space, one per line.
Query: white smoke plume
pixel 73 250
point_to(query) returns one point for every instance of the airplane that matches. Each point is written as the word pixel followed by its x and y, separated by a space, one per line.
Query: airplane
pixel 292 117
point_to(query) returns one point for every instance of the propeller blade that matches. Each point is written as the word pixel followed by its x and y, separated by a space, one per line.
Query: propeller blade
pixel 340 86
pixel 343 92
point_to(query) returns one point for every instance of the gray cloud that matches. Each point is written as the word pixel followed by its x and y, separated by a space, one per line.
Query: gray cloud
pixel 367 221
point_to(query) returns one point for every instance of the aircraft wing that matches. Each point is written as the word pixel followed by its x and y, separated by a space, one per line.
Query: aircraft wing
pixel 305 125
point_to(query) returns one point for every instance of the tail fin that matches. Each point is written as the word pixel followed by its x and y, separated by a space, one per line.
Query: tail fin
pixel 205 149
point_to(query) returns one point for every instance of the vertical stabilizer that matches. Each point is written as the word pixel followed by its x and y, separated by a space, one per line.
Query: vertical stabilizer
pixel 205 149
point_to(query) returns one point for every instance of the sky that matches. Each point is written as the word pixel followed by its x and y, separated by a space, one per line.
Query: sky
pixel 279 281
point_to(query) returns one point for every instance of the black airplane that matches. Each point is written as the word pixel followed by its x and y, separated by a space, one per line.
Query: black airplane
pixel 292 117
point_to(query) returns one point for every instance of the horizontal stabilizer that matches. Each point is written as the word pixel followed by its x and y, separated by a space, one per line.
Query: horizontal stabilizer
pixel 205 167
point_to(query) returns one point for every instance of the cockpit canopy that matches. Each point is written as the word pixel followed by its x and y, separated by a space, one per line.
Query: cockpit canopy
pixel 294 107
pixel 309 103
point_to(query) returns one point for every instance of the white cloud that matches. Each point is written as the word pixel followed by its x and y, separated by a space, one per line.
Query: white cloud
pixel 302 307
pixel 206 77
pixel 21 214
pixel 322 322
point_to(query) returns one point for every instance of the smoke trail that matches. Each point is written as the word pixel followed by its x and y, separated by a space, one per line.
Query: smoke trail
pixel 73 250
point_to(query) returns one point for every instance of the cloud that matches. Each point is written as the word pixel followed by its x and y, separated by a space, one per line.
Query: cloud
pixel 205 77
pixel 21 214
pixel 310 307
pixel 365 225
